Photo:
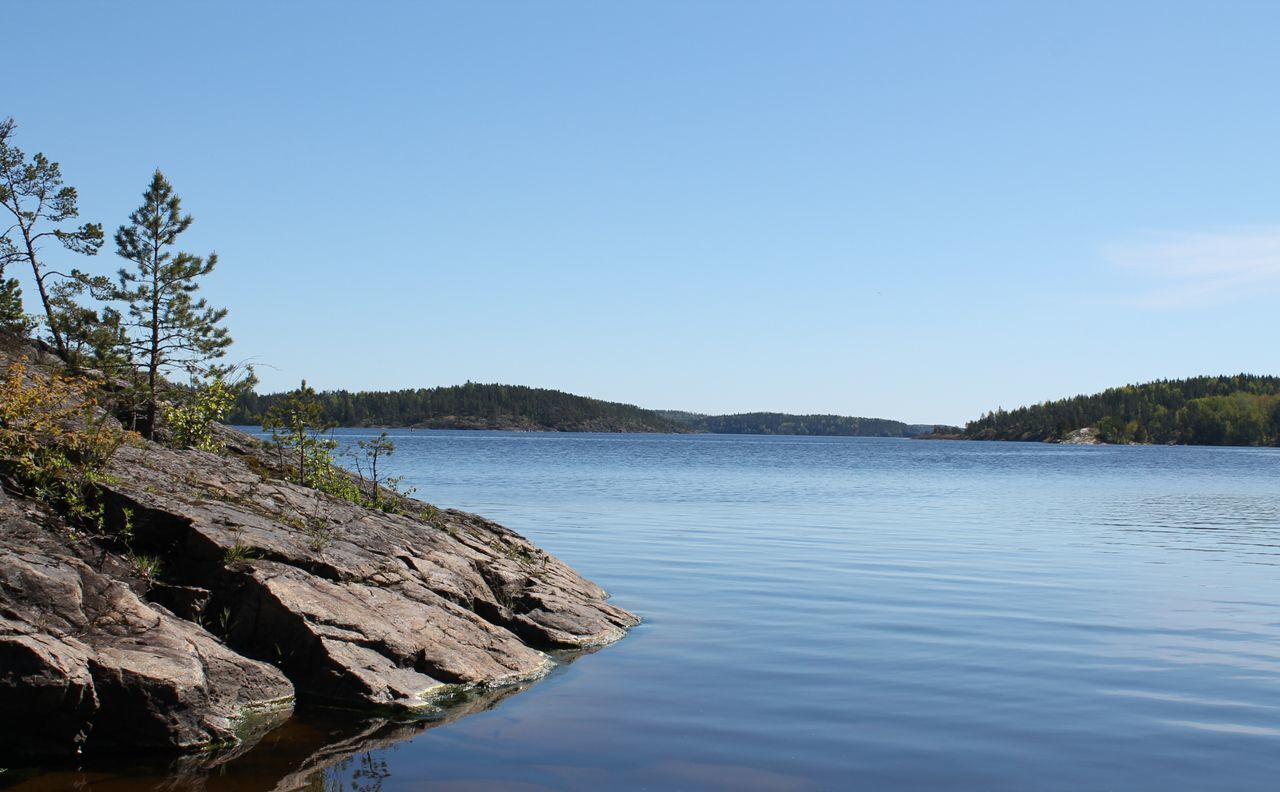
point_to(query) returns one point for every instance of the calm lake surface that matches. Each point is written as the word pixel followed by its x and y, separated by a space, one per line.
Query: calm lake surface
pixel 832 613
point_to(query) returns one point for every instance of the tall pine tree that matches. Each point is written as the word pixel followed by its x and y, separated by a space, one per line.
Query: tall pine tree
pixel 168 328
pixel 33 193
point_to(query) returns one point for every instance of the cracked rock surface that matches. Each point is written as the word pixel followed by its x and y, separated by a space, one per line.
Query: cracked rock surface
pixel 357 606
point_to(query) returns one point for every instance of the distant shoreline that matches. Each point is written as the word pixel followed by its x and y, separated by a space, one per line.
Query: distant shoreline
pixel 519 408
pixel 544 430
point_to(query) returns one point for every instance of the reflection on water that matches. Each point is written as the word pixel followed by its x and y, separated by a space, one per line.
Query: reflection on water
pixel 322 750
pixel 828 613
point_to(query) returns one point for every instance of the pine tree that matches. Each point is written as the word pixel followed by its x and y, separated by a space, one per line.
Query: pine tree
pixel 33 192
pixel 94 339
pixel 298 426
pixel 12 318
pixel 167 327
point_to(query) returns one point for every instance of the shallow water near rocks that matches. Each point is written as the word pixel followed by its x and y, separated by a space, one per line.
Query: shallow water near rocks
pixel 836 613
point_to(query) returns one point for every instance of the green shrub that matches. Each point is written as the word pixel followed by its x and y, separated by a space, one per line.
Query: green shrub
pixel 52 442
pixel 191 423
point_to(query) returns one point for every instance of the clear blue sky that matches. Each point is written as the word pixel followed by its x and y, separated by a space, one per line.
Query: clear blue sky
pixel 911 210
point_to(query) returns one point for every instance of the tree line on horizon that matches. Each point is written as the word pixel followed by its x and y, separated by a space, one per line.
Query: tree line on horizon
pixel 766 423
pixel 1241 409
pixel 469 406
pixel 495 406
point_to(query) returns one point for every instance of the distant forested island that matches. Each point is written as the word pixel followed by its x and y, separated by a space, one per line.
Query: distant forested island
pixel 1243 409
pixel 765 423
pixel 517 407
pixel 469 406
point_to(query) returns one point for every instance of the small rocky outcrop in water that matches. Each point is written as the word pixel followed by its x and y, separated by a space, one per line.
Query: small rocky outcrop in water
pixel 1085 436
pixel 268 591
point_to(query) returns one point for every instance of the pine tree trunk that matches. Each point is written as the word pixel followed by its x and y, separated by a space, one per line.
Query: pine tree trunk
pixel 58 343
pixel 153 366
pixel 153 363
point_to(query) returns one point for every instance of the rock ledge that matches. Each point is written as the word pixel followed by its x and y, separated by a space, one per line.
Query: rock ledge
pixel 268 591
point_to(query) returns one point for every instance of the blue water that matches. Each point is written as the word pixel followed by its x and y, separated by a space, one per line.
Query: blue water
pixel 832 613
pixel 864 613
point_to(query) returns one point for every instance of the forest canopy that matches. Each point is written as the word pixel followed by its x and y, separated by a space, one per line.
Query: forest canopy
pixel 1243 409
pixel 818 425
pixel 469 406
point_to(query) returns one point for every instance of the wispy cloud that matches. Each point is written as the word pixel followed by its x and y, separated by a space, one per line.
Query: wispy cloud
pixel 1194 269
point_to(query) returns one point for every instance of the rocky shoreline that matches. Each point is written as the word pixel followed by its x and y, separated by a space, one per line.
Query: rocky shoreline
pixel 268 595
